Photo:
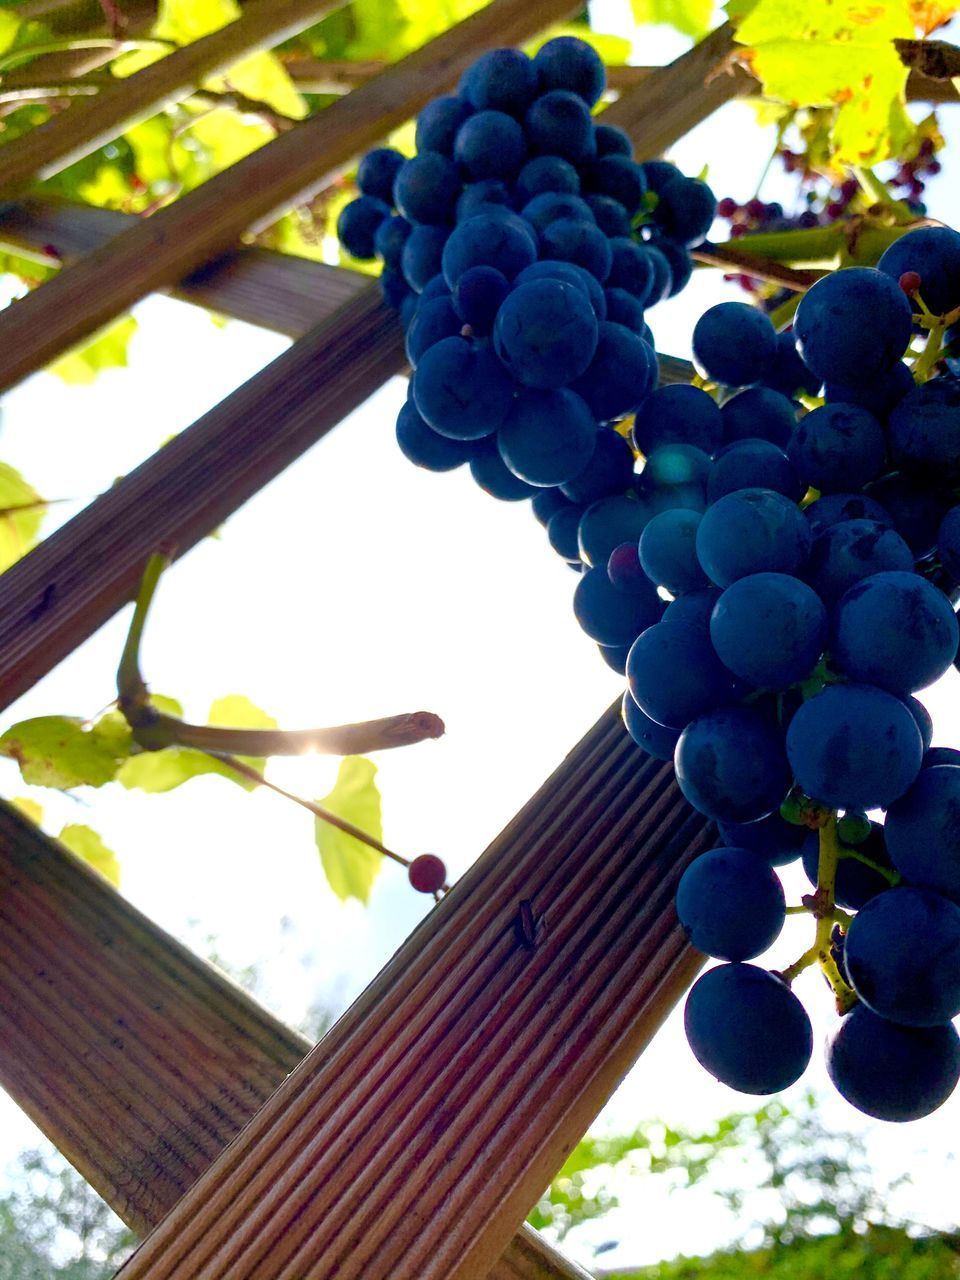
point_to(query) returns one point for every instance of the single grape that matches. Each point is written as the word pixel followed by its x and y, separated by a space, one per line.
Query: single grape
pixel 923 830
pixel 427 873
pixel 674 675
pixel 609 616
pixel 831 334
pixel 656 739
pixel 769 629
pixel 731 764
pixel 730 904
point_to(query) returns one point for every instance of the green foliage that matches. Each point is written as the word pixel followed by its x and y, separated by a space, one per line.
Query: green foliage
pixel 64 751
pixel 351 866
pixel 21 514
pixel 88 845
pixel 107 350
pixel 690 17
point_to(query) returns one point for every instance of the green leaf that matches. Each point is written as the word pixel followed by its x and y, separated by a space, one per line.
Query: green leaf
pixel 612 49
pixel 62 751
pixel 835 53
pixel 157 771
pixel 691 17
pixel 19 530
pixel 9 26
pixel 29 808
pixel 107 350
pixel 351 866
pixel 86 844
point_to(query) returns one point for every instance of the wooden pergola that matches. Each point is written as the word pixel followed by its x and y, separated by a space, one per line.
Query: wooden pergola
pixel 411 1142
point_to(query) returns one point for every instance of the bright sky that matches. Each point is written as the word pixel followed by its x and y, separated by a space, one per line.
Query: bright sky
pixel 355 586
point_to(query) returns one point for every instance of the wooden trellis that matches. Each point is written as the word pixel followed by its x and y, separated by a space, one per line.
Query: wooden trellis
pixel 411 1142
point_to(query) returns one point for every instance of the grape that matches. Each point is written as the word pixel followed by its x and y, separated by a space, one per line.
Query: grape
pixel 662 286
pixel 614 655
pixel 389 239
pixel 478 295
pixel 768 629
pixel 686 209
pixel 948 542
pixel 838 448
pixel 837 508
pixel 546 173
pixel 483 241
pixel 656 739
pixel 559 124
pixel 731 765
pixel 733 343
pixel 547 503
pixel 759 413
pixel 424 447
pixel 903 956
pixel 609 470
pixel 608 522
pixel 438 123
pixel 679 261
pixel 624 569
pixel 632 269
pixel 730 904
pixel 548 436
pixel 623 370
pixel 562 532
pixel 612 218
pixel 568 273
pixel 501 80
pixel 753 464
pixel 833 338
pixel 915 507
pixel 894 630
pixel 568 63
pixel 674 675
pixel 658 173
pixel 695 608
pixel 776 841
pixel 850 551
pixel 377 171
pixel 612 141
pixel 358 224
pixel 572 240
pixel 432 321
pixel 623 308
pixel 396 292
pixel 923 830
pixel 787 373
pixel 422 255
pixel 462 390
pixel 546 333
pixel 678 414
pixel 924 720
pixel 892 1072
pixel 752 531
pixel 426 188
pixel 748 1029
pixel 924 428
pixel 879 396
pixel 436 286
pixel 490 144
pixel 856 883
pixel 671 466
pixel 940 755
pixel 854 746
pixel 934 254
pixel 609 616
pixel 549 206
pixel 618 177
pixel 494 476
pixel 427 873
pixel 483 197
pixel 668 551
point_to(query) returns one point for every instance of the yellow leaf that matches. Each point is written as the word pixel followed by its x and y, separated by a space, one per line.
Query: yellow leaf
pixel 29 808
pixel 86 844
pixel 107 350
pixel 350 865
pixel 19 529
pixel 692 17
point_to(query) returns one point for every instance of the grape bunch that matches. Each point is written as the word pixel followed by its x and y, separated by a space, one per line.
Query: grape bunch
pixel 813 568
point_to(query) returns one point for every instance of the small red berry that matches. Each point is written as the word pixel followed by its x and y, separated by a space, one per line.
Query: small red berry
pixel 427 873
pixel 910 283
pixel 727 207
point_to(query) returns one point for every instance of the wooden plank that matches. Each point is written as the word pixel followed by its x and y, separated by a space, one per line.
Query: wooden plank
pixel 411 1142
pixel 70 135
pixel 137 1059
pixel 208 221
pixel 274 290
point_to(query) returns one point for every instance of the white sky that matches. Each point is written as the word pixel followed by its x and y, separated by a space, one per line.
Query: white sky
pixel 356 585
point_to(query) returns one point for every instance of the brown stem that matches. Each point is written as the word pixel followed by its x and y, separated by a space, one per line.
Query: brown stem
pixel 752 265
pixel 157 729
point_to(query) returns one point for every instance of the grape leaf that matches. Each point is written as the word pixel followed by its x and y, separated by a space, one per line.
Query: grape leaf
pixel 86 844
pixel 29 808
pixel 19 529
pixel 106 350
pixel 63 751
pixel 157 771
pixel 691 17
pixel 350 865
pixel 835 52
pixel 9 26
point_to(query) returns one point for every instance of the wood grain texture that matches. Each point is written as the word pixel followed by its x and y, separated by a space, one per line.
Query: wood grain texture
pixel 137 1059
pixel 91 122
pixel 179 238
pixel 411 1142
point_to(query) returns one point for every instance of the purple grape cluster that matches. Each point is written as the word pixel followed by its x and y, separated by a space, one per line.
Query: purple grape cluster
pixel 813 568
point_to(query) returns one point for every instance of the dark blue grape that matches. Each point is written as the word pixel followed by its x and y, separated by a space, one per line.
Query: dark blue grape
pixel 612 218
pixel 389 239
pixel 548 436
pixel 730 904
pixel 940 755
pixel 759 413
pixel 572 240
pixel 662 286
pixel 948 542
pixel 568 63
pixel 769 629
pixel 850 551
pixel 494 476
pixel 731 765
pixel 892 1072
pixel 478 295
pixel 678 259
pixel 485 241
pixel 426 188
pixel 563 529
pixel 672 466
pixel 674 675
pixel 924 428
pixel 462 390
pixel 733 343
pixel 748 1029
pixel 852 325
pixel 559 124
pixel 612 141
pixel 879 396
pixel 550 205
pixel 623 308
pixel 377 171
pixel 358 224
pixel 436 287
pixel 569 273
pixel 934 254
pixel 915 505
pixel 787 373
pixel 771 838
pixel 854 746
pixel 895 630
pixel 624 568
pixel 547 503
pixel 500 80
pixel 614 655
pixel 478 197
pixel 923 830
pixel 422 255
pixel 752 531
pixel 837 508
pixel 658 173
pixel 838 448
pixel 396 292
pixel 546 333
pixel 668 551
pixel 656 739
pixel 490 144
pixel 678 415
pixel 433 320
pixel 903 956
pixel 618 177
pixel 609 616
pixel 686 210
pixel 424 447
pixel 856 883
pixel 609 471
pixel 632 269
pixel 924 720
pixel 608 522
pixel 623 370
pixel 753 464
pixel 438 122
pixel 694 608
pixel 546 173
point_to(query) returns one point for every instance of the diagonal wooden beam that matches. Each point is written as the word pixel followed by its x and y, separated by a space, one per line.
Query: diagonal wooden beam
pixel 178 239
pixel 137 1059
pixel 67 137
pixel 411 1142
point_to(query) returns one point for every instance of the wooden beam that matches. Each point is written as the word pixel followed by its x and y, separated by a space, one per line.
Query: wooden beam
pixel 412 1141
pixel 208 221
pixel 70 135
pixel 138 1061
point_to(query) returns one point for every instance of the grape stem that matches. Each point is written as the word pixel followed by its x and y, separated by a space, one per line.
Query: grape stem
pixel 727 256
